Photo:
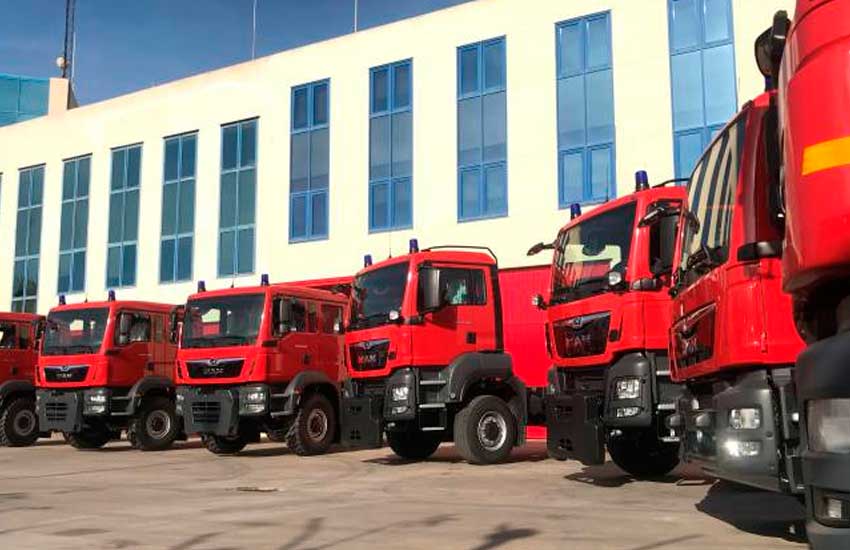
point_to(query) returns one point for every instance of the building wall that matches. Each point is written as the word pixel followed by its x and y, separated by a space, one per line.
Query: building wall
pixel 261 88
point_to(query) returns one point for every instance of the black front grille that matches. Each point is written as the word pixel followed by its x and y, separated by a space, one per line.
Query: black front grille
pixel 371 355
pixel 66 373
pixel 56 411
pixel 582 336
pixel 583 380
pixel 206 412
pixel 215 368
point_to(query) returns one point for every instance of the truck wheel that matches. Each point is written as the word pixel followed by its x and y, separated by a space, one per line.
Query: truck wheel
pixel 414 445
pixel 18 423
pixel 223 445
pixel 485 430
pixel 91 438
pixel 314 428
pixel 643 455
pixel 155 427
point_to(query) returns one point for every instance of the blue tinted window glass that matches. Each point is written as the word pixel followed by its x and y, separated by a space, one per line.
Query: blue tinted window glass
pixel 401 86
pixel 320 104
pixel 684 24
pixel 402 148
pixel 495 189
pixel 319 213
pixel 601 170
pixel 494 65
pixel 34 95
pixel 470 193
pixel 123 216
pixel 184 258
pixel 83 175
pixel 237 205
pixel 600 107
pixel 719 84
pixel 245 251
pixel 495 128
pixel 319 159
pixel 226 253
pixel 402 203
pixel 572 177
pixel 166 260
pixel 380 90
pixel 78 271
pixel 119 168
pixel 299 108
pixel 570 48
pixel 689 147
pixel 248 144
pixel 186 212
pixel 169 208
pixel 64 282
pixel 116 217
pixel 66 227
pixel 686 75
pixel 134 166
pixel 379 147
pixel 299 159
pixel 598 43
pixel 469 131
pixel 128 265
pixel 172 157
pixel 718 26
pixel 469 70
pixel 571 112
pixel 245 198
pixel 298 216
pixel 309 162
pixel 69 180
pixel 131 215
pixel 379 205
pixel 113 267
pixel 81 223
pixel 188 145
pixel 10 92
pixel 227 210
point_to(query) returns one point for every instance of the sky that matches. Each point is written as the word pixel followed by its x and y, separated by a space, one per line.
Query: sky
pixel 126 45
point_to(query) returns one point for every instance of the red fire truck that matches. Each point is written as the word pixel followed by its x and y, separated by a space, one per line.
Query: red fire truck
pixel 108 367
pixel 258 359
pixel 812 162
pixel 427 361
pixel 608 316
pixel 733 342
pixel 18 358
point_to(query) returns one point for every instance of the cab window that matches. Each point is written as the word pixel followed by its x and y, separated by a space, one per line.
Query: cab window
pixel 8 336
pixel 140 328
pixel 462 287
pixel 330 316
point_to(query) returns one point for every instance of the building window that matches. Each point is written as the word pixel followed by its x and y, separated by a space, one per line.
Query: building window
pixel 28 239
pixel 482 130
pixel 178 209
pixel 586 156
pixel 75 225
pixel 308 171
pixel 702 72
pixel 237 207
pixel 123 216
pixel 390 147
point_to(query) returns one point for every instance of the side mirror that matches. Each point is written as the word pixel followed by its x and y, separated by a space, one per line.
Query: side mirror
pixel 429 284
pixel 615 279
pixel 174 321
pixel 538 301
pixel 38 333
pixel 125 321
pixel 338 328
pixel 651 217
pixel 540 247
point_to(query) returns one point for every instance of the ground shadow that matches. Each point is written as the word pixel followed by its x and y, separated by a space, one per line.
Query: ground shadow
pixel 447 454
pixel 120 446
pixel 503 534
pixel 609 475
pixel 756 511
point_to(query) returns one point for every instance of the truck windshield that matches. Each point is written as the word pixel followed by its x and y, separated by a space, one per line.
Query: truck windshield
pixel 223 321
pixel 376 293
pixel 585 253
pixel 75 331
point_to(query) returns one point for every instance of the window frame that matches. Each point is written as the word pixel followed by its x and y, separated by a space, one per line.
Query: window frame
pixel 238 169
pixel 308 194
pixel 27 258
pixel 481 166
pixel 587 149
pixel 121 244
pixel 179 181
pixel 72 251
pixel 390 181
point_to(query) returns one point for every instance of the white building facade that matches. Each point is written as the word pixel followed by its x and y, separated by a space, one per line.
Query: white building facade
pixel 477 124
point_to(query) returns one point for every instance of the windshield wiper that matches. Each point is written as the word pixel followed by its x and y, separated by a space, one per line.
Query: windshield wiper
pixel 364 320
pixel 74 348
pixel 702 258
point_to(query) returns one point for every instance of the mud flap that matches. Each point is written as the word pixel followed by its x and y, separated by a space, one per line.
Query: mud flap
pixel 574 428
pixel 361 422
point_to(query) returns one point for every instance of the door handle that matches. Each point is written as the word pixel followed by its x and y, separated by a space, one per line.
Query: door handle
pixel 149 367
pixel 471 337
pixel 306 358
pixel 13 370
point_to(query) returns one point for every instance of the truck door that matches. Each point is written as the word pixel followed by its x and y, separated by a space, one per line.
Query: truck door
pixel 297 345
pixel 11 354
pixel 135 358
pixel 330 343
pixel 159 364
pixel 465 322
pixel 712 192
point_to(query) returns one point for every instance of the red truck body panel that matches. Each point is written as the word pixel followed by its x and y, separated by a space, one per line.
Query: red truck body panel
pixel 814 115
pixel 111 365
pixel 276 360
pixel 639 320
pixel 18 354
pixel 736 315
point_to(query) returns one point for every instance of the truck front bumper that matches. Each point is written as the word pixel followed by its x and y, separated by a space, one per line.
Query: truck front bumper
pixel 70 410
pixel 822 373
pixel 218 410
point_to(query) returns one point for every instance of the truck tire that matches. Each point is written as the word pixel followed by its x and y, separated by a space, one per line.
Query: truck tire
pixel 643 455
pixel 414 445
pixel 223 445
pixel 314 427
pixel 155 427
pixel 485 430
pixel 18 423
pixel 91 438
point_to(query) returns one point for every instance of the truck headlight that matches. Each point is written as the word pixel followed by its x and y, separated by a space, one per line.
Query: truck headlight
pixel 253 399
pixel 627 388
pixel 828 424
pixel 745 419
pixel 400 393
pixel 96 401
pixel 742 449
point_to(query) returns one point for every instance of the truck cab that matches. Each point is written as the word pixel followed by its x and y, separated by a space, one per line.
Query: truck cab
pixel 732 341
pixel 107 367
pixel 267 358
pixel 425 357
pixel 18 358
pixel 608 311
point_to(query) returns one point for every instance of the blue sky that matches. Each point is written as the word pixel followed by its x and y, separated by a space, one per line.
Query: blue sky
pixel 125 45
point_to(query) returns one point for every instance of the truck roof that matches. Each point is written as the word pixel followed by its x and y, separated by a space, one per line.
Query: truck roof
pixel 128 304
pixel 19 317
pixel 284 288
pixel 447 254
pixel 648 196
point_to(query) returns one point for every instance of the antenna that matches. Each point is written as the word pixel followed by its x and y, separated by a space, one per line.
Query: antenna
pixel 356 14
pixel 66 60
pixel 254 32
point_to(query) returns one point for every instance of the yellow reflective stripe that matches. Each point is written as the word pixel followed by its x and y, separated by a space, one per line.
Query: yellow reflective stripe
pixel 825 155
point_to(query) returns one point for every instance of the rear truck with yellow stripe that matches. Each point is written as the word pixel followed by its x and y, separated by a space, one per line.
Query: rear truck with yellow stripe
pixel 810 61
